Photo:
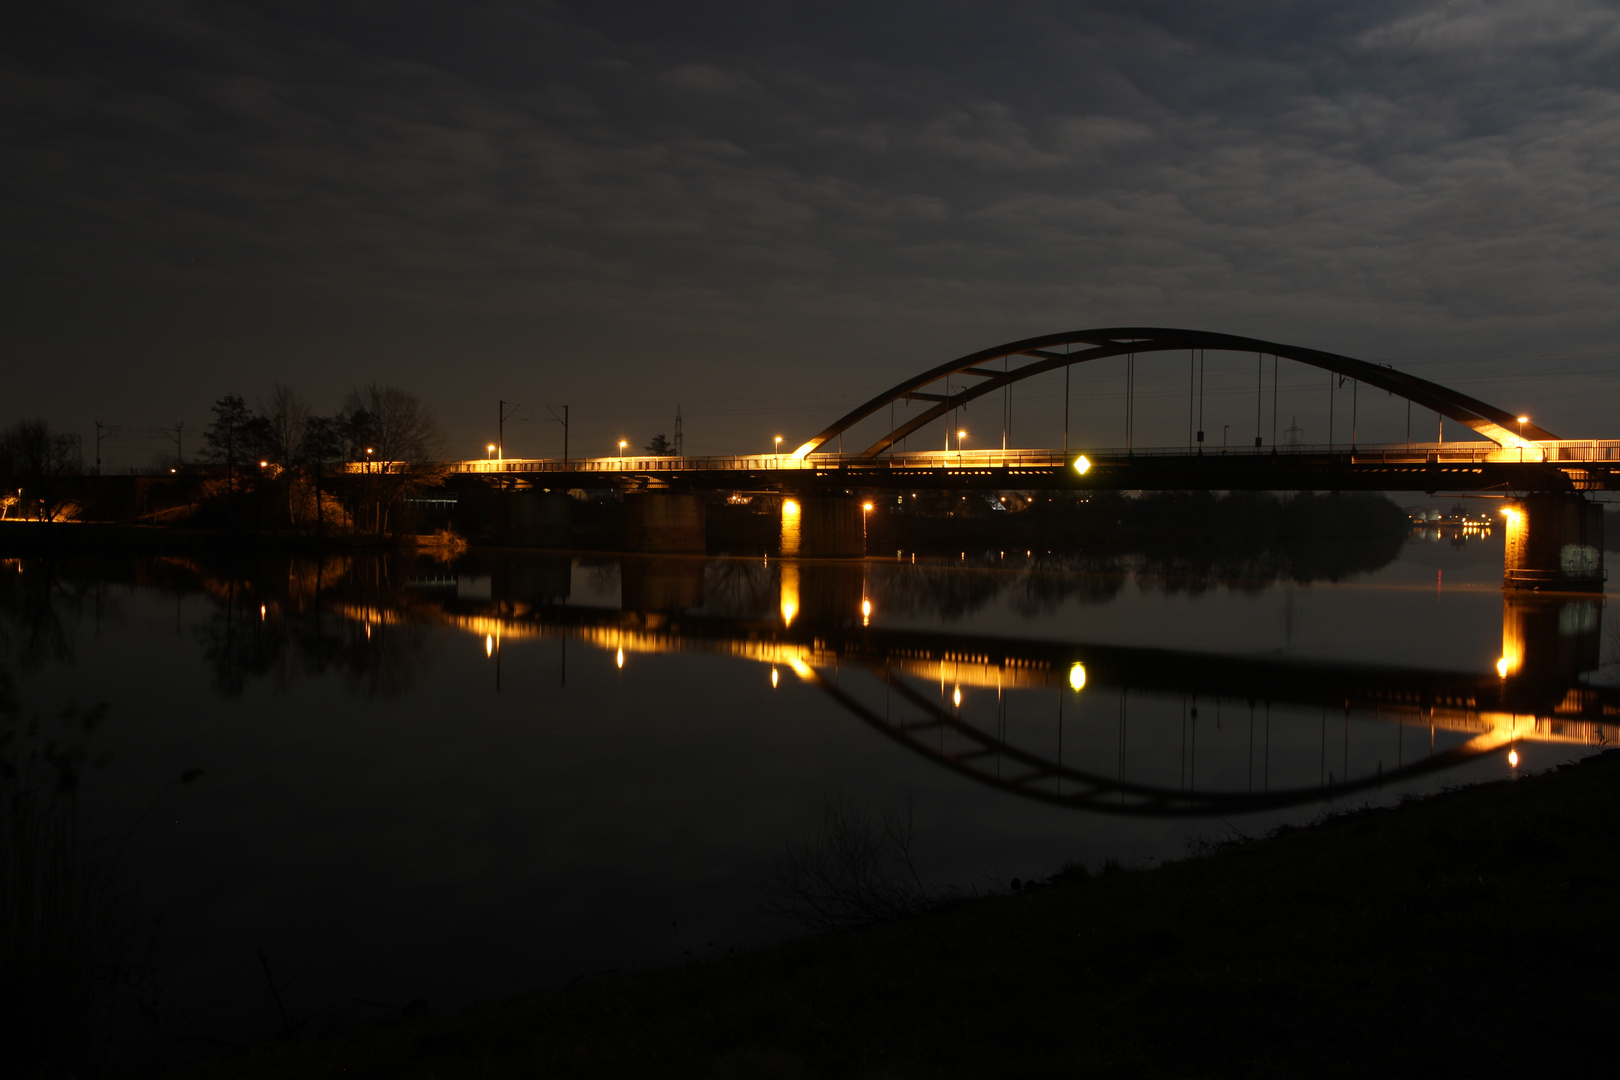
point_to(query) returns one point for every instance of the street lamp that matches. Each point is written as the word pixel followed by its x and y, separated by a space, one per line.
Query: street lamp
pixel 489 451
pixel 779 444
pixel 368 459
pixel 1522 421
pixel 622 445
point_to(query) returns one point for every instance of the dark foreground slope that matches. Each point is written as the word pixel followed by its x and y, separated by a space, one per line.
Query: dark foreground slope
pixel 1470 934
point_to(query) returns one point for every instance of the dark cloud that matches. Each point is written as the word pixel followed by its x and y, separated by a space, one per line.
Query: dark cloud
pixel 741 205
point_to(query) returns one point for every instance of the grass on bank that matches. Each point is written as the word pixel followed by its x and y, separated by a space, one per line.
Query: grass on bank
pixel 1472 933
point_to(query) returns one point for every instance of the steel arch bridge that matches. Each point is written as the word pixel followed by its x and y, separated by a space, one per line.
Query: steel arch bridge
pixel 1039 355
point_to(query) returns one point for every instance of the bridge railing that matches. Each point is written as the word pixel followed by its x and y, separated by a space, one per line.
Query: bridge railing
pixel 1473 452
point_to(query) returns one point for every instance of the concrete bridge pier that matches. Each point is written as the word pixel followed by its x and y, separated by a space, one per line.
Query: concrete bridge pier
pixel 823 526
pixel 1554 542
pixel 663 522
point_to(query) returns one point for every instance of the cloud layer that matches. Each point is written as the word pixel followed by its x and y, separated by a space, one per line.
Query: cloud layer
pixel 624 205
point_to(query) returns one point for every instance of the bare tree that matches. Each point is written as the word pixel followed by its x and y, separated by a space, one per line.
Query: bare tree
pixel 286 421
pixel 35 463
pixel 854 869
pixel 393 431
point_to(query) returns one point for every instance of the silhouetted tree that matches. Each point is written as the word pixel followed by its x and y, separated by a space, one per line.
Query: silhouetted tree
pixel 399 438
pixel 35 466
pixel 660 445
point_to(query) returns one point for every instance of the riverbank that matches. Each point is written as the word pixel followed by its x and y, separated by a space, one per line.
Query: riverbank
pixel 1471 933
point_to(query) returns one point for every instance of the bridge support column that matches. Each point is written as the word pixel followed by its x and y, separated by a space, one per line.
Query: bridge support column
pixel 1554 542
pixel 663 521
pixel 823 526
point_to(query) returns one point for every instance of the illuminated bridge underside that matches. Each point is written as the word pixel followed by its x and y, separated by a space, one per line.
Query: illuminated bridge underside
pixel 1494 712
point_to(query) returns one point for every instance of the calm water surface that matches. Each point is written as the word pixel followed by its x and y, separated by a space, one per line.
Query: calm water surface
pixel 461 780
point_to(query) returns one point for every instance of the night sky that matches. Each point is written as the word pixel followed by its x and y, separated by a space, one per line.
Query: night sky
pixel 767 212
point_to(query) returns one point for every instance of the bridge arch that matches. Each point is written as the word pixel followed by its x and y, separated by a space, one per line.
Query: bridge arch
pixel 1038 355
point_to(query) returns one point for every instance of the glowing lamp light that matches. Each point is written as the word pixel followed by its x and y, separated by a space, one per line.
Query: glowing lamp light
pixel 1082 465
pixel 1077 677
pixel 779 444
pixel 489 644
pixel 619 659
pixel 956 697
pixel 866 507
pixel 775 677
pixel 263 464
pixel 1502 667
pixel 261 613
pixel 1513 758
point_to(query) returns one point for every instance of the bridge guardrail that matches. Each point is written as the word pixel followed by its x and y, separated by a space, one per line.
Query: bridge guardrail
pixel 1559 452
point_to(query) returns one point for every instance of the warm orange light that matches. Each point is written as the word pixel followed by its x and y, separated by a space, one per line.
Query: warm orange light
pixel 956 697
pixel 1502 667
pixel 1524 419
pixel 619 659
pixel 261 613
pixel 1077 677
pixel 774 677
pixel 489 644
pixel 1513 758
pixel 867 507
pixel 622 445
pixel 1081 464
pixel 262 464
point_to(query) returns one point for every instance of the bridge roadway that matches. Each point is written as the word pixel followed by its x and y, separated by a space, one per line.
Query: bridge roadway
pixel 1551 465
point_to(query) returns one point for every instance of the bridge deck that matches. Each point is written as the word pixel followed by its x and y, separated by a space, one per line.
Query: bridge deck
pixel 1580 465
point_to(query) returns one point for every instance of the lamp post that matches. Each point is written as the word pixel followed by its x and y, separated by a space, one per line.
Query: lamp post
pixel 489 452
pixel 960 435
pixel 778 444
pixel 368 459
pixel 1522 420
pixel 622 445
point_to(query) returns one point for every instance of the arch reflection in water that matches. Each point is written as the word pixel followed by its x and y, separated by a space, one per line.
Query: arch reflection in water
pixel 1311 708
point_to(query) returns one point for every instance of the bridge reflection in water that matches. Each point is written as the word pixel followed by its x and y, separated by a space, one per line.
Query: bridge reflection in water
pixel 813 619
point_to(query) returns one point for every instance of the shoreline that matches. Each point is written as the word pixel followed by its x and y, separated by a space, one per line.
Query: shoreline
pixel 1467 932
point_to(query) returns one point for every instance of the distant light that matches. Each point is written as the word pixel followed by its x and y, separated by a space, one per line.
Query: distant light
pixel 1082 465
pixel 1077 677
pixel 619 660
pixel 867 507
pixel 261 613
pixel 1502 667
pixel 866 608
pixel 1524 419
pixel 774 677
pixel 956 697
pixel 789 506
pixel 489 644
pixel 1513 758
pixel 262 464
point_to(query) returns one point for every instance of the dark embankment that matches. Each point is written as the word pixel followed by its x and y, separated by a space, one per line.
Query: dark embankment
pixel 1469 934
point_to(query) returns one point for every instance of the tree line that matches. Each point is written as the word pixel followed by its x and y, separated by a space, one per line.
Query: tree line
pixel 283 451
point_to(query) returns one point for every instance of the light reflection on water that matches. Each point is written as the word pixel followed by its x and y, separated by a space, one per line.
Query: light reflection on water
pixel 458 781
